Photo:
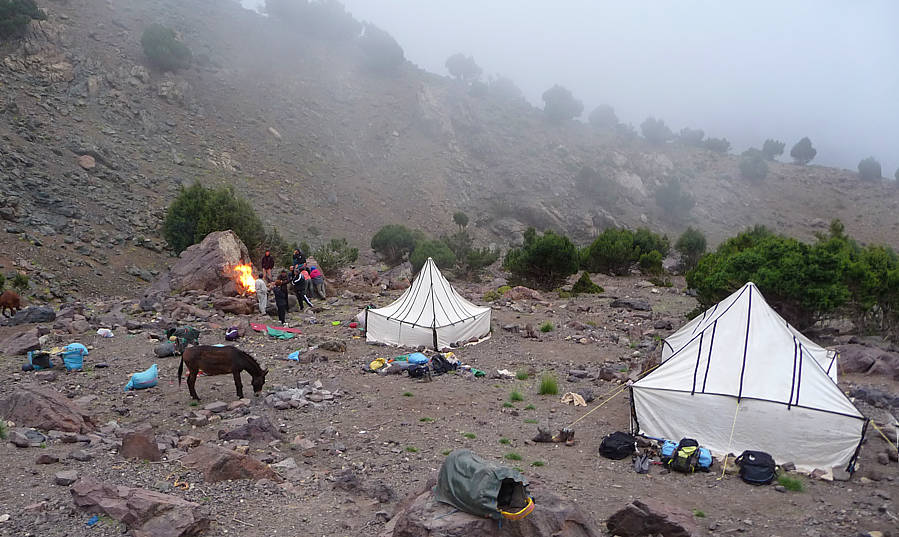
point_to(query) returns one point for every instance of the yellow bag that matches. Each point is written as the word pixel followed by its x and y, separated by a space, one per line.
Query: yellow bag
pixel 377 363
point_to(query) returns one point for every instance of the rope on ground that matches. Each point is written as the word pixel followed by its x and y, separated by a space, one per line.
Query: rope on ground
pixel 619 390
pixel 878 429
pixel 729 441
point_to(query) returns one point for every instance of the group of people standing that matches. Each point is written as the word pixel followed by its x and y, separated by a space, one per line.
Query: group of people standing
pixel 305 279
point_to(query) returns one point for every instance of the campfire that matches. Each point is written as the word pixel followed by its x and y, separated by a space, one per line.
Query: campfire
pixel 243 277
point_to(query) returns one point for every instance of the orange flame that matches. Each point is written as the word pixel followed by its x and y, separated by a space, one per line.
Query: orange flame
pixel 243 276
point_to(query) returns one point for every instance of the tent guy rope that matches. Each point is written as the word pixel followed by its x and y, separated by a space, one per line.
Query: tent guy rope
pixel 618 391
pixel 729 441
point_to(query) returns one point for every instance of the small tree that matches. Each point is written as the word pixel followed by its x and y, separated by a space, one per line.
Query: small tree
pixel 651 263
pixel 655 131
pixel 380 50
pixel 585 285
pixel 476 260
pixel 198 211
pixel 560 104
pixel 869 169
pixel 718 145
pixel 691 137
pixel 753 165
pixel 803 152
pixel 393 241
pixel 163 50
pixel 335 255
pixel 673 199
pixel 603 117
pixel 506 89
pixel 691 245
pixel 15 16
pixel 325 19
pixel 461 219
pixel 613 251
pixel 463 67
pixel 437 250
pixel 773 149
pixel 544 262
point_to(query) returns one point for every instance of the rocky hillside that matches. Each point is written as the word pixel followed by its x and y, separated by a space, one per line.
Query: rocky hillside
pixel 94 143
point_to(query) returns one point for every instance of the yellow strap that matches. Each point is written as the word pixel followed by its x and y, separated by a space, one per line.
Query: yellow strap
pixel 525 511
pixel 619 390
pixel 890 442
pixel 731 439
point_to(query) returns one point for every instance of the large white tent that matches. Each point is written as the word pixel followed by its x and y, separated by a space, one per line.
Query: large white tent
pixel 430 313
pixel 740 377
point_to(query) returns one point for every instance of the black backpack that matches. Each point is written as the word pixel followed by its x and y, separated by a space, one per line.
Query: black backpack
pixel 685 456
pixel 618 445
pixel 440 365
pixel 757 467
pixel 419 371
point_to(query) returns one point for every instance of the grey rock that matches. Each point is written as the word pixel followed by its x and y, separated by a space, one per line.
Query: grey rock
pixel 81 455
pixel 33 314
pixel 65 477
pixel 631 304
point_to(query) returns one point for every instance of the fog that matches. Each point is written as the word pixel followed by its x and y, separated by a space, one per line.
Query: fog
pixel 742 70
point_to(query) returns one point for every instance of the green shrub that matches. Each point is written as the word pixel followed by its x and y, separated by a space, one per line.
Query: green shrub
pixel 530 407
pixel 869 169
pixel 335 255
pixel 691 245
pixel 476 260
pixel 382 54
pixel 426 420
pixel 163 50
pixel 545 261
pixel 492 295
pixel 20 282
pixel 691 137
pixel 718 145
pixel 463 67
pixel 803 152
pixel 521 374
pixel 538 463
pixel 461 219
pixel 651 263
pixel 647 241
pixel 437 250
pixel 547 327
pixel 470 436
pixel 673 199
pixel 393 242
pixel 659 282
pixel 516 396
pixel 655 131
pixel 512 456
pixel 698 513
pixel 407 394
pixel 411 449
pixel 15 16
pixel 753 165
pixel 446 452
pixel 505 441
pixel 560 104
pixel 613 251
pixel 508 405
pixel 325 19
pixel 773 149
pixel 548 385
pixel 3 431
pixel 791 483
pixel 530 421
pixel 603 117
pixel 198 211
pixel 585 285
pixel 2 281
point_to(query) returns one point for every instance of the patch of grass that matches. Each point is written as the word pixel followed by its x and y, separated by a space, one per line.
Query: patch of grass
pixel 547 327
pixel 407 394
pixel 538 463
pixel 698 513
pixel 791 483
pixel 502 289
pixel 508 405
pixel 505 441
pixel 446 452
pixel 3 432
pixel 512 456
pixel 516 396
pixel 470 436
pixel 591 323
pixel 530 407
pixel 530 420
pixel 43 445
pixel 522 375
pixel 426 420
pixel 565 294
pixel 194 402
pixel 496 385
pixel 411 449
pixel 548 385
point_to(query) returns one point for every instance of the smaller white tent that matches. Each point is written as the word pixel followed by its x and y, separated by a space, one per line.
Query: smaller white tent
pixel 430 313
pixel 740 377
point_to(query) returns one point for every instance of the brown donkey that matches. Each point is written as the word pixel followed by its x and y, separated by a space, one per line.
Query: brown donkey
pixel 213 360
pixel 9 300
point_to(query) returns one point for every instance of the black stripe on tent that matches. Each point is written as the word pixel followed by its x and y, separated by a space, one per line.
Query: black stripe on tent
pixel 745 344
pixel 732 396
pixel 851 466
pixel 366 323
pixel 833 361
pixel 793 377
pixel 710 312
pixel 799 379
pixel 665 342
pixel 698 358
pixel 635 424
pixel 708 361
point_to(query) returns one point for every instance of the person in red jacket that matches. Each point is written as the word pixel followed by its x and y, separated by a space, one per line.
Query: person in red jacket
pixel 318 281
pixel 267 263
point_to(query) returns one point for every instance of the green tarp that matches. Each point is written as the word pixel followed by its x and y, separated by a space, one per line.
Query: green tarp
pixel 280 334
pixel 473 485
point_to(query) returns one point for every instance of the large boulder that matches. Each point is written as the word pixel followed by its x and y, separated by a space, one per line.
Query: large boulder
pixel 33 406
pixel 647 518
pixel 255 431
pixel 219 464
pixel 522 293
pixel 855 358
pixel 144 512
pixel 236 305
pixel 205 266
pixel 426 517
pixel 21 342
pixel 33 314
pixel 140 443
pixel 631 304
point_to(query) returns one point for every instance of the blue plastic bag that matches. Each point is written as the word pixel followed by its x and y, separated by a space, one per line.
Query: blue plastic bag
pixel 668 448
pixel 43 362
pixel 295 356
pixel 73 356
pixel 705 458
pixel 418 358
pixel 144 379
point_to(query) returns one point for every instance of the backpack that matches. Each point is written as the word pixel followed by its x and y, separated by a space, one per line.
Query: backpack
pixel 419 371
pixel 704 462
pixel 756 467
pixel 617 445
pixel 441 365
pixel 685 457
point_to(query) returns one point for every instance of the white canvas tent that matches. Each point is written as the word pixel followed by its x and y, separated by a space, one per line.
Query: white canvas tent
pixel 429 313
pixel 741 370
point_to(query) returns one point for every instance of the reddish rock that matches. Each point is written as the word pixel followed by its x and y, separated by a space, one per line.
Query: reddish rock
pixel 87 162
pixel 41 408
pixel 651 517
pixel 235 305
pixel 522 293
pixel 140 444
pixel 205 266
pixel 46 458
pixel 219 464
pixel 145 513
pixel 20 342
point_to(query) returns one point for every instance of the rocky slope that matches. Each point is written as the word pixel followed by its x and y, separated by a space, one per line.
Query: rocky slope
pixel 93 144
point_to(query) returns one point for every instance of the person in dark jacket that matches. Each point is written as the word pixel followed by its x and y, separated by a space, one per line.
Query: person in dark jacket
pixel 299 259
pixel 300 283
pixel 267 263
pixel 280 290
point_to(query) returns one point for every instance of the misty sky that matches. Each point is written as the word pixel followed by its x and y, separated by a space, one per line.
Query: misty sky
pixel 742 70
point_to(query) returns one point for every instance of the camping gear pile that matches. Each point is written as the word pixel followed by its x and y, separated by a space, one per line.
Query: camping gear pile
pixel 482 488
pixel 72 358
pixel 417 365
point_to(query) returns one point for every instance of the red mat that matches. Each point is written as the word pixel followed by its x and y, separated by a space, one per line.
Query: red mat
pixel 262 328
